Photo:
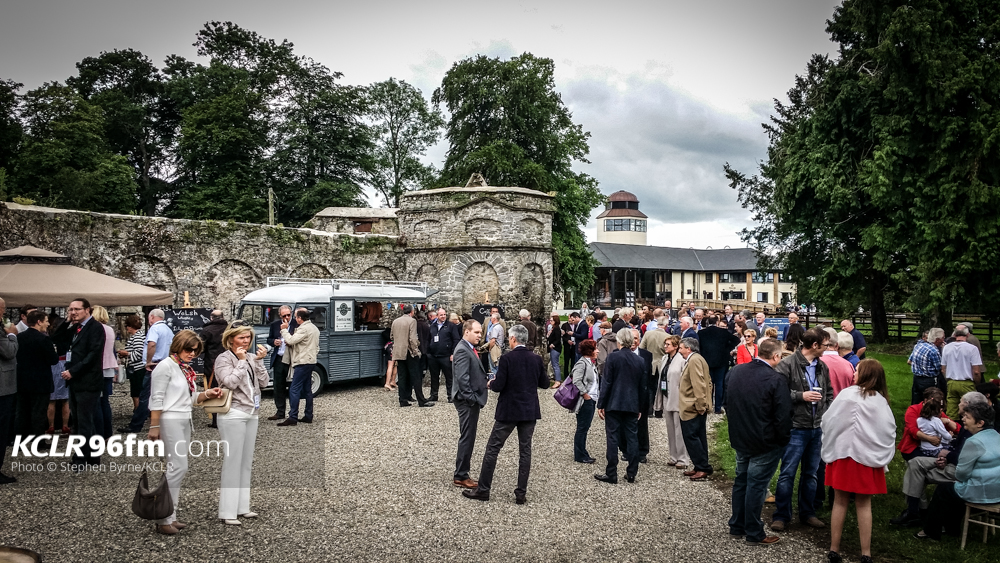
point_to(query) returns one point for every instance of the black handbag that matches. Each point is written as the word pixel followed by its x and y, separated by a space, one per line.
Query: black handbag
pixel 155 504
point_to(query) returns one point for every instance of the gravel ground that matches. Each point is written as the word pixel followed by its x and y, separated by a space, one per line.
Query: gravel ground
pixel 371 482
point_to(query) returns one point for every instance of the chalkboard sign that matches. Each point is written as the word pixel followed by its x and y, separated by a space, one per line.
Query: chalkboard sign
pixel 481 312
pixel 189 319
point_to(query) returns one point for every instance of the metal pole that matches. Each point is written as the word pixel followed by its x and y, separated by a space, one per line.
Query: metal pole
pixel 270 206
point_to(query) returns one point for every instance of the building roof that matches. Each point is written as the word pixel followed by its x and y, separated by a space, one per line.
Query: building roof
pixel 481 189
pixel 622 195
pixel 622 213
pixel 637 257
pixel 359 212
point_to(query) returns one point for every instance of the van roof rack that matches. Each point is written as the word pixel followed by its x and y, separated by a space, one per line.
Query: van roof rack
pixel 336 282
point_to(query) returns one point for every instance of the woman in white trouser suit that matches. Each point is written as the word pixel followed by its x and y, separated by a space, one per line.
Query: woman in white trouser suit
pixel 171 391
pixel 242 372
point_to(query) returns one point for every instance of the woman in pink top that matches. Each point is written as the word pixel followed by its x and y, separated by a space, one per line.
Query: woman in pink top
pixel 100 314
pixel 841 370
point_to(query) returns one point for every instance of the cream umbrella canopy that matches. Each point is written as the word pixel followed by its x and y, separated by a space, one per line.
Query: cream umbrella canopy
pixel 46 279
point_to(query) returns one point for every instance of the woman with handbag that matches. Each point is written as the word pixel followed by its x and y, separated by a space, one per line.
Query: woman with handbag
pixel 585 378
pixel 133 352
pixel 243 374
pixel 172 390
pixel 670 370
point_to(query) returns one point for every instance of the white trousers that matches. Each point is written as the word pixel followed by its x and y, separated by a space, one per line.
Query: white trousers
pixel 675 438
pixel 238 431
pixel 176 436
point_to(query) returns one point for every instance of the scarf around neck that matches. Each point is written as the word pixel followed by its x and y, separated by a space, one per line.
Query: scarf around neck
pixel 186 369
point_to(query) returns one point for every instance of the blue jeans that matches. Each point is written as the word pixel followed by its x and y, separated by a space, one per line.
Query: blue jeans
pixel 554 358
pixel 719 384
pixel 141 413
pixel 301 382
pixel 584 418
pixel 753 474
pixel 804 447
pixel 105 428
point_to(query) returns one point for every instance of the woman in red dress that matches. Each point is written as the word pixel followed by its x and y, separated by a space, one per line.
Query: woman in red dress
pixel 859 439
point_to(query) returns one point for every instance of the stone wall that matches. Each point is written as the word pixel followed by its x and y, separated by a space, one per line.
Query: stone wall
pixel 485 240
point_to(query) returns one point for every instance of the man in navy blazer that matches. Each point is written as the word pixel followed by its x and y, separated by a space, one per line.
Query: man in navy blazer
pixel 520 374
pixel 687 329
pixel 646 404
pixel 36 354
pixel 468 393
pixel 581 332
pixel 279 370
pixel 620 406
pixel 84 374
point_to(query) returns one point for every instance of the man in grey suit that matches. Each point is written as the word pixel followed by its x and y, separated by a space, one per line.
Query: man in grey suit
pixel 468 393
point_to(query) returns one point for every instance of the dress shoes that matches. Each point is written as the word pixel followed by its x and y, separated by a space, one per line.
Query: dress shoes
pixel 232 522
pixel 643 460
pixel 605 479
pixel 405 404
pixel 814 522
pixel 465 483
pixel 178 525
pixel 699 476
pixel 689 472
pixel 249 515
pixel 520 499
pixel 475 494
pixel 906 520
pixel 7 479
pixel 288 422
pixel 426 404
pixel 166 529
pixel 630 478
pixel 768 540
pixel 432 399
pixel 306 420
pixel 588 460
pixel 277 416
pixel 778 525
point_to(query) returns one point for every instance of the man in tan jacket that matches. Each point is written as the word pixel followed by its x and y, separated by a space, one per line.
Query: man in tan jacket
pixel 406 354
pixel 695 401
pixel 302 349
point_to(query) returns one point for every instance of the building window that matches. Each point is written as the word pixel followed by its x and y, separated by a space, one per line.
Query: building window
pixel 637 225
pixel 762 277
pixel 786 278
pixel 708 277
pixel 762 297
pixel 724 278
pixel 738 277
pixel 786 298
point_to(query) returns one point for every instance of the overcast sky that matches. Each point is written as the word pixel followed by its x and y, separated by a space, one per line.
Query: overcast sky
pixel 670 90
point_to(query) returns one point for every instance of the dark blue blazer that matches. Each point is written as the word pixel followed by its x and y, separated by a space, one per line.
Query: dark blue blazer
pixel 86 366
pixel 624 383
pixel 650 382
pixel 273 334
pixel 690 333
pixel 36 354
pixel 447 335
pixel 581 333
pixel 520 374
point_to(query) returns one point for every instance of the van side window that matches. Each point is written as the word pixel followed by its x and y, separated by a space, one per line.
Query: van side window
pixel 318 317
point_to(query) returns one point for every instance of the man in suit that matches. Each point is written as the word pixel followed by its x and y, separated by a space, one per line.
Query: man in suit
pixel 304 348
pixel 468 393
pixel 687 329
pixel 759 325
pixel 581 332
pixel 36 354
pixel 760 426
pixel 444 337
pixel 279 369
pixel 8 390
pixel 694 401
pixel 716 344
pixel 84 374
pixel 406 353
pixel 620 406
pixel 646 404
pixel 519 376
pixel 793 318
pixel 569 349
pixel 525 321
pixel 624 320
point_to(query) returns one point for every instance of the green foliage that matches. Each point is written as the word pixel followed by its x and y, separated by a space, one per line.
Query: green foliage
pixel 65 160
pixel 11 131
pixel 405 126
pixel 364 244
pixel 509 123
pixel 883 176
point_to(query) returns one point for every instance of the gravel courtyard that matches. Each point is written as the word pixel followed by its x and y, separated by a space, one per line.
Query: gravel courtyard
pixel 370 481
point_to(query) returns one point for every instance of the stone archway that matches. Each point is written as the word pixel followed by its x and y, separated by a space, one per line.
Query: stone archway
pixel 149 271
pixel 311 270
pixel 481 285
pixel 427 273
pixel 531 289
pixel 378 273
pixel 225 284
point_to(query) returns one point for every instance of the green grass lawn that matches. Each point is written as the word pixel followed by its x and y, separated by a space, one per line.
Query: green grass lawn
pixel 889 543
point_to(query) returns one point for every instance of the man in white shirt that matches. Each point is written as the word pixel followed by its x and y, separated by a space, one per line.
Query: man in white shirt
pixel 962 365
pixel 22 325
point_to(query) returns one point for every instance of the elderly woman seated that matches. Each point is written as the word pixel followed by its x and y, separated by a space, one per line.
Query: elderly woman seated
pixel 977 475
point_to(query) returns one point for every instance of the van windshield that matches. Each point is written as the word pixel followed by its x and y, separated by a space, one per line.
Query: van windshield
pixel 259 315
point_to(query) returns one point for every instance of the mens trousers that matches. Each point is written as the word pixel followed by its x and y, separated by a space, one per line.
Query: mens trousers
pixel 86 408
pixel 753 474
pixel 410 379
pixel 141 413
pixel 468 424
pixel 718 386
pixel 920 383
pixel 436 365
pixel 621 428
pixel 8 405
pixel 280 383
pixel 696 442
pixel 920 471
pixel 32 413
pixel 301 385
pixel 804 447
pixel 955 391
pixel 238 430
pixel 675 437
pixel 501 430
pixel 176 436
pixel 567 360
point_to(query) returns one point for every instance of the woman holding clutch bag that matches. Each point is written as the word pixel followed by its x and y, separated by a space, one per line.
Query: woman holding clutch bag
pixel 172 390
pixel 242 372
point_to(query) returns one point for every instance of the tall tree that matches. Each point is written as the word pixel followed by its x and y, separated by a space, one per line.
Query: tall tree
pixel 509 123
pixel 65 160
pixel 875 160
pixel 405 127
pixel 141 123
pixel 11 131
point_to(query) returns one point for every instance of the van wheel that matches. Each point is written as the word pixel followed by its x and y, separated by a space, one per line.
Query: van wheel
pixel 318 381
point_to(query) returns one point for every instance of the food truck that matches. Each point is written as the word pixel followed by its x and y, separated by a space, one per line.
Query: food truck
pixel 348 314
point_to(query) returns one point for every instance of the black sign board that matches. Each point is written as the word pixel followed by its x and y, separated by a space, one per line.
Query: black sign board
pixel 189 319
pixel 481 312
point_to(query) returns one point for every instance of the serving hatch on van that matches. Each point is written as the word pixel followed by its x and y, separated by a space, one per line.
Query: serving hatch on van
pixel 348 314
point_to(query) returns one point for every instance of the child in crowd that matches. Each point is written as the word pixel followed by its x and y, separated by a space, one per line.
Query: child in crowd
pixel 930 424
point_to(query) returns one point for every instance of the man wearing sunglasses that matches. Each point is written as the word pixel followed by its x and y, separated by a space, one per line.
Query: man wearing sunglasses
pixel 280 369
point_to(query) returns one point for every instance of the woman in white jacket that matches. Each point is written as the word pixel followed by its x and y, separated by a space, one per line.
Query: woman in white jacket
pixel 859 439
pixel 241 371
pixel 668 390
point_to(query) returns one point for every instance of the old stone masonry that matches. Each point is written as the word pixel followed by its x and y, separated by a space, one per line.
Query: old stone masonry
pixel 475 244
